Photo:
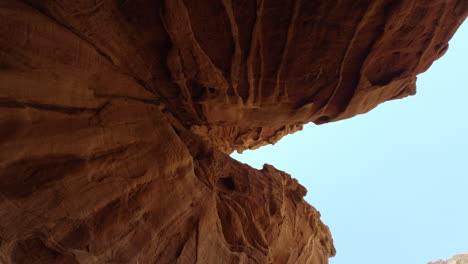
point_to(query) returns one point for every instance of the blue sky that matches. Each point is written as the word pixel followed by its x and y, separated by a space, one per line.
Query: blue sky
pixel 391 184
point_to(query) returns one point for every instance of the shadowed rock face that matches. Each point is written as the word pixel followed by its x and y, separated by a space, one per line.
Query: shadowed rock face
pixel 116 117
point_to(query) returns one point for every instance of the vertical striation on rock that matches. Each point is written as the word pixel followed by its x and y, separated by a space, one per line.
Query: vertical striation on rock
pixel 116 117
pixel 94 169
pixel 245 73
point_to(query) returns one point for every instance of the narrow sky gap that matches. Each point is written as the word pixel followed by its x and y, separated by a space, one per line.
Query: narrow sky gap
pixel 391 184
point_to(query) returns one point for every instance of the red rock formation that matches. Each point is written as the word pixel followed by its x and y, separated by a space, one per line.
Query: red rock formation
pixel 115 116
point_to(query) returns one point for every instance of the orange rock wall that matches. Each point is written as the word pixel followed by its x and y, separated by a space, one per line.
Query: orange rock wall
pixel 116 117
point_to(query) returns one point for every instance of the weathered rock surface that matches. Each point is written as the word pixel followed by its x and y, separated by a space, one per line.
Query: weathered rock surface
pixel 116 117
pixel 457 259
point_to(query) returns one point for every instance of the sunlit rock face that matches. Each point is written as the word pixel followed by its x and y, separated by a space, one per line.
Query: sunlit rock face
pixel 116 117
pixel 457 259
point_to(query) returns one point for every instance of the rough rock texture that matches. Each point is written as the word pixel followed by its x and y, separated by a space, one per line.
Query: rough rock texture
pixel 457 259
pixel 244 73
pixel 116 117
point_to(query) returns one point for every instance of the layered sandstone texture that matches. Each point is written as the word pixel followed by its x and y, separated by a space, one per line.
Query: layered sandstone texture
pixel 457 259
pixel 117 118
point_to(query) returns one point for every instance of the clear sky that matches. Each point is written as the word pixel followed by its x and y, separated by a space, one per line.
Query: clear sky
pixel 391 184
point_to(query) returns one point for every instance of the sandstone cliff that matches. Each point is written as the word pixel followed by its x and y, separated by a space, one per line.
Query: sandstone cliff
pixel 458 259
pixel 117 116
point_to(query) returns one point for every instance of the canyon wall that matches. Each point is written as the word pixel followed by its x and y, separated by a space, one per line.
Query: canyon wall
pixel 457 259
pixel 117 118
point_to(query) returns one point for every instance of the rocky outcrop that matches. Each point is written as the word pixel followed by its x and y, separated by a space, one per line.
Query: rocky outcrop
pixel 244 73
pixel 116 117
pixel 457 259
